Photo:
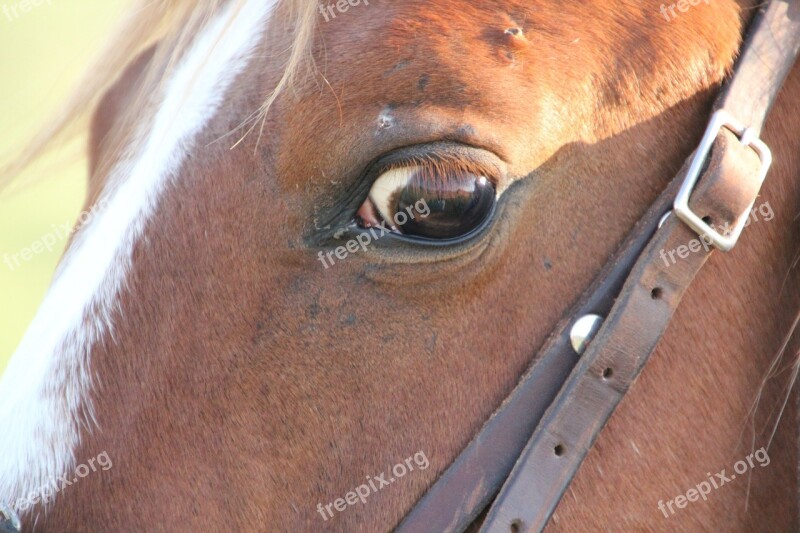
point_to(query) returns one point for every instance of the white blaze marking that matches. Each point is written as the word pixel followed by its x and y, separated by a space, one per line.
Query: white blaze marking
pixel 44 392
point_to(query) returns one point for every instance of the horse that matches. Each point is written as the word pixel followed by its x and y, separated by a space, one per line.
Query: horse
pixel 220 351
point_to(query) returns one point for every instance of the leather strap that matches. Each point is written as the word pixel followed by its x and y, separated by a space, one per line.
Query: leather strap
pixel 475 477
pixel 766 58
pixel 725 193
pixel 464 490
pixel 618 353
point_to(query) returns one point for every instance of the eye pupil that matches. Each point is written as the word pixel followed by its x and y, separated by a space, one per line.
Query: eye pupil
pixel 458 204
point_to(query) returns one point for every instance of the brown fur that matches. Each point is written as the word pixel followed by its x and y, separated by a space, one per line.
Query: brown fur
pixel 246 384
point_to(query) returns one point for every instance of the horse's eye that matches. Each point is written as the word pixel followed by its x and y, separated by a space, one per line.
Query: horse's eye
pixel 428 202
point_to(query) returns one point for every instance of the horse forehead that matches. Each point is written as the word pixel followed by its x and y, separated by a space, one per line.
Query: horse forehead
pixel 430 62
pixel 522 73
pixel 448 32
pixel 544 41
pixel 379 42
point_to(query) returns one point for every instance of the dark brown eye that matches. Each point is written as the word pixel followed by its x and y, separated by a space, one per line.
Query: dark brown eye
pixel 428 202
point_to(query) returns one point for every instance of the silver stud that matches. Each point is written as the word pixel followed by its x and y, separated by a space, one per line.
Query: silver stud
pixel 583 331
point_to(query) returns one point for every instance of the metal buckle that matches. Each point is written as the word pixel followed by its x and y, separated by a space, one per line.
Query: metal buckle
pixel 681 207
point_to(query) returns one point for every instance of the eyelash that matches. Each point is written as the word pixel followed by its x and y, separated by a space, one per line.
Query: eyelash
pixel 438 167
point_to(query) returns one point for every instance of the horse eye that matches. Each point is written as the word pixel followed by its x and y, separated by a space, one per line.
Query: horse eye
pixel 428 202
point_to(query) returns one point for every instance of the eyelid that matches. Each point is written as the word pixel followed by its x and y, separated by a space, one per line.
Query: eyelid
pixel 445 164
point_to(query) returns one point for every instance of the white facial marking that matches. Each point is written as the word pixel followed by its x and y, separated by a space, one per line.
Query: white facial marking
pixel 44 392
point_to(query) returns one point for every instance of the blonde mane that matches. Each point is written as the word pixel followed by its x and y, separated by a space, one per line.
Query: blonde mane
pixel 147 22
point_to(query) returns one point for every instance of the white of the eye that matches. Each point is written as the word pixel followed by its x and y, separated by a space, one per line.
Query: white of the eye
pixel 388 184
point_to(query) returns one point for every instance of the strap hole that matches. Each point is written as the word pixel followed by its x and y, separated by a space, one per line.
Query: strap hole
pixel 707 219
pixel 558 450
pixel 657 293
pixel 516 526
pixel 607 373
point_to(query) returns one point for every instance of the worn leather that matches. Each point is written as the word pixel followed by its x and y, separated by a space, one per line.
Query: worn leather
pixel 475 477
pixel 766 58
pixel 637 321
pixel 618 353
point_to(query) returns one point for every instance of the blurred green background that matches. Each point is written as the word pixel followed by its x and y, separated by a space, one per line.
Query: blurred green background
pixel 42 52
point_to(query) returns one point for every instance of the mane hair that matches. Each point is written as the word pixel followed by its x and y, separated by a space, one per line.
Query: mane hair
pixel 147 22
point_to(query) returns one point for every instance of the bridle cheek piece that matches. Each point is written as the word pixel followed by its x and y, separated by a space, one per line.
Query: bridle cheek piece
pixel 528 452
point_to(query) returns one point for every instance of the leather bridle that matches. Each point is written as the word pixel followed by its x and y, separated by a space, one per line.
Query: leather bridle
pixel 531 448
